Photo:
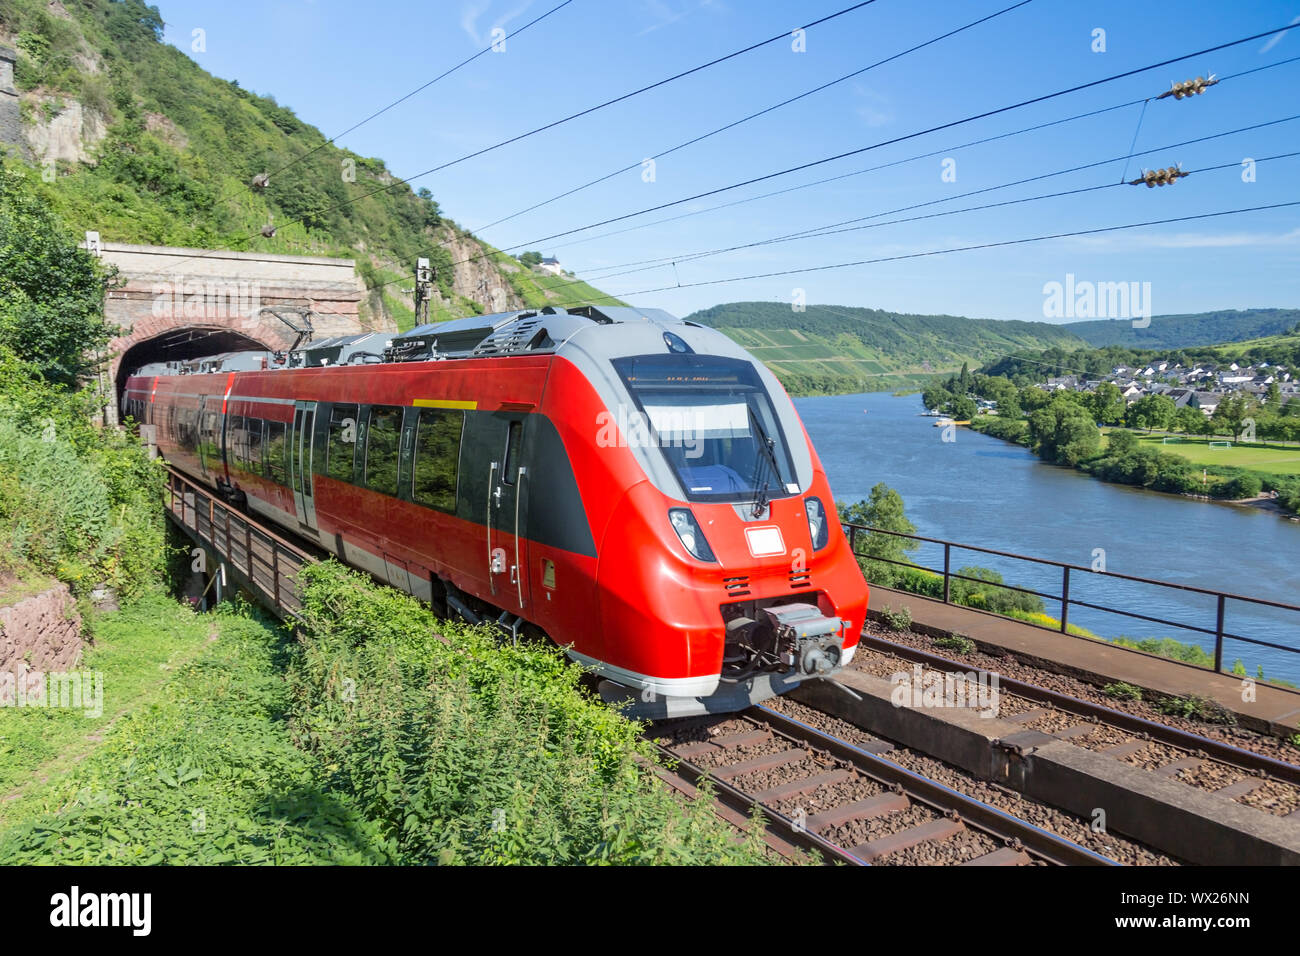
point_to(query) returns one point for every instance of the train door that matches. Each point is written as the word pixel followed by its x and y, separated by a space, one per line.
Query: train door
pixel 201 436
pixel 396 570
pixel 300 462
pixel 507 546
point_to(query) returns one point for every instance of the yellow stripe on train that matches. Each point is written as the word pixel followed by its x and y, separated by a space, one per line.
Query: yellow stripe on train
pixel 443 403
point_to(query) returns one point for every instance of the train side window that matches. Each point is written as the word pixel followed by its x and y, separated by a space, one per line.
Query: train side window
pixel 437 458
pixel 254 460
pixel 236 439
pixel 342 442
pixel 211 439
pixel 512 452
pixel 276 469
pixel 381 448
pixel 190 430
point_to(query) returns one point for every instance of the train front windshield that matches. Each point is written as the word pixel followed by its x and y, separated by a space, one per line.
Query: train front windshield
pixel 713 421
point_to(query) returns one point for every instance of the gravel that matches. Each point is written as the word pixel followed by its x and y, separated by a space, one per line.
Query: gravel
pixel 1281 799
pixel 1009 666
pixel 1041 815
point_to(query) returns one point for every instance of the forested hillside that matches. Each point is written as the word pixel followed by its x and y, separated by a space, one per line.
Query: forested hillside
pixel 1184 331
pixel 140 143
pixel 839 349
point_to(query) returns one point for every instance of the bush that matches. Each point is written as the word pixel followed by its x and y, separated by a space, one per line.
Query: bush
pixel 467 752
pixel 1122 691
pixel 1168 647
pixel 81 504
pixel 1195 707
pixel 899 619
pixel 1243 486
pixel 957 643
pixel 984 593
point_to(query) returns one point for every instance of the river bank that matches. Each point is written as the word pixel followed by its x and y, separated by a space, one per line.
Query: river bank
pixel 1267 500
pixel 998 495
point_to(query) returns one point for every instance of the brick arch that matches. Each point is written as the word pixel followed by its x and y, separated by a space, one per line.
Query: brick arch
pixel 177 343
pixel 185 303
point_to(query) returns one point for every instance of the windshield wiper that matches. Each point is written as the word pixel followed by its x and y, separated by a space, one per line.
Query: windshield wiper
pixel 760 494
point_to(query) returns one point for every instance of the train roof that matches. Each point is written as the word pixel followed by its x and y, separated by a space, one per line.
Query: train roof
pixel 505 333
pixel 522 331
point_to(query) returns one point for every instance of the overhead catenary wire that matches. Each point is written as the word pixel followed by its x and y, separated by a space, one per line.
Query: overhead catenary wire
pixel 745 119
pixel 947 212
pixel 402 99
pixel 953 249
pixel 889 142
pixel 869 169
pixel 830 229
pixel 1038 99
pixel 397 183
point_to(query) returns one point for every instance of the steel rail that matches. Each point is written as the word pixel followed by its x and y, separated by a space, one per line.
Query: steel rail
pixel 736 799
pixel 1219 750
pixel 1042 843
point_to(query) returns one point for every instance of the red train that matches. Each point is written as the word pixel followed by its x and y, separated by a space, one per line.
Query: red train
pixel 638 488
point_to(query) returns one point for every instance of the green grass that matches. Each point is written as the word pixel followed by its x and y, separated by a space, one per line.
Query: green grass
pixel 1255 456
pixel 538 289
pixel 381 736
pixel 137 649
pixel 201 770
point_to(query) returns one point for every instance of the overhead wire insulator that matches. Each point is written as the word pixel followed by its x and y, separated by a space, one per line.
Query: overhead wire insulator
pixel 1159 177
pixel 1188 88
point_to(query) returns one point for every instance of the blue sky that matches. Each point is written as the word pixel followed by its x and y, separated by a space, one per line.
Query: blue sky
pixel 335 62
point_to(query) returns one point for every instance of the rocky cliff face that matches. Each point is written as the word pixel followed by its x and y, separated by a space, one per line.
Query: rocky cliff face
pixel 62 127
pixel 62 130
pixel 480 279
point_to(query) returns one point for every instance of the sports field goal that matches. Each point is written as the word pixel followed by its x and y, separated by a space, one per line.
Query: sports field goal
pixel 1172 440
pixel 1220 444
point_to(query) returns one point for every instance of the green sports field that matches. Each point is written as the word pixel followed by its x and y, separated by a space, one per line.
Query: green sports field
pixel 1255 456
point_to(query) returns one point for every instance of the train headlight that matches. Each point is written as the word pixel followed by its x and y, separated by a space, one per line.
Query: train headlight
pixel 688 529
pixel 818 527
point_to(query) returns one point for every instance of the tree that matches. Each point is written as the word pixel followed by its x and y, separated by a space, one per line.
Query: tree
pixel 936 396
pixel 1228 414
pixel 1151 411
pixel 883 509
pixel 51 292
pixel 1189 421
pixel 963 409
pixel 964 380
pixel 531 258
pixel 1107 404
pixel 1032 398
pixel 1120 443
pixel 1063 432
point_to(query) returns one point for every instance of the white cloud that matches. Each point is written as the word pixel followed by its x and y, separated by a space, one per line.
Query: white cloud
pixel 662 14
pixel 1276 38
pixel 873 108
pixel 472 11
pixel 1191 240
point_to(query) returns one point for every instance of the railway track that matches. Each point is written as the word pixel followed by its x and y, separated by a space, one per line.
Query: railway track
pixel 820 794
pixel 1204 762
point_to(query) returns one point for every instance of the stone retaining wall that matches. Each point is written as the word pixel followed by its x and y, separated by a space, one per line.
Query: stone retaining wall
pixel 41 633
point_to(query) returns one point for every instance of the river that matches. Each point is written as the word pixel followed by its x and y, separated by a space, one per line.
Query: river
pixel 983 491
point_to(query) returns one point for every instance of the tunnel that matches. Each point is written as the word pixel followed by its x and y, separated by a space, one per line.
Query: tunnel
pixel 185 342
